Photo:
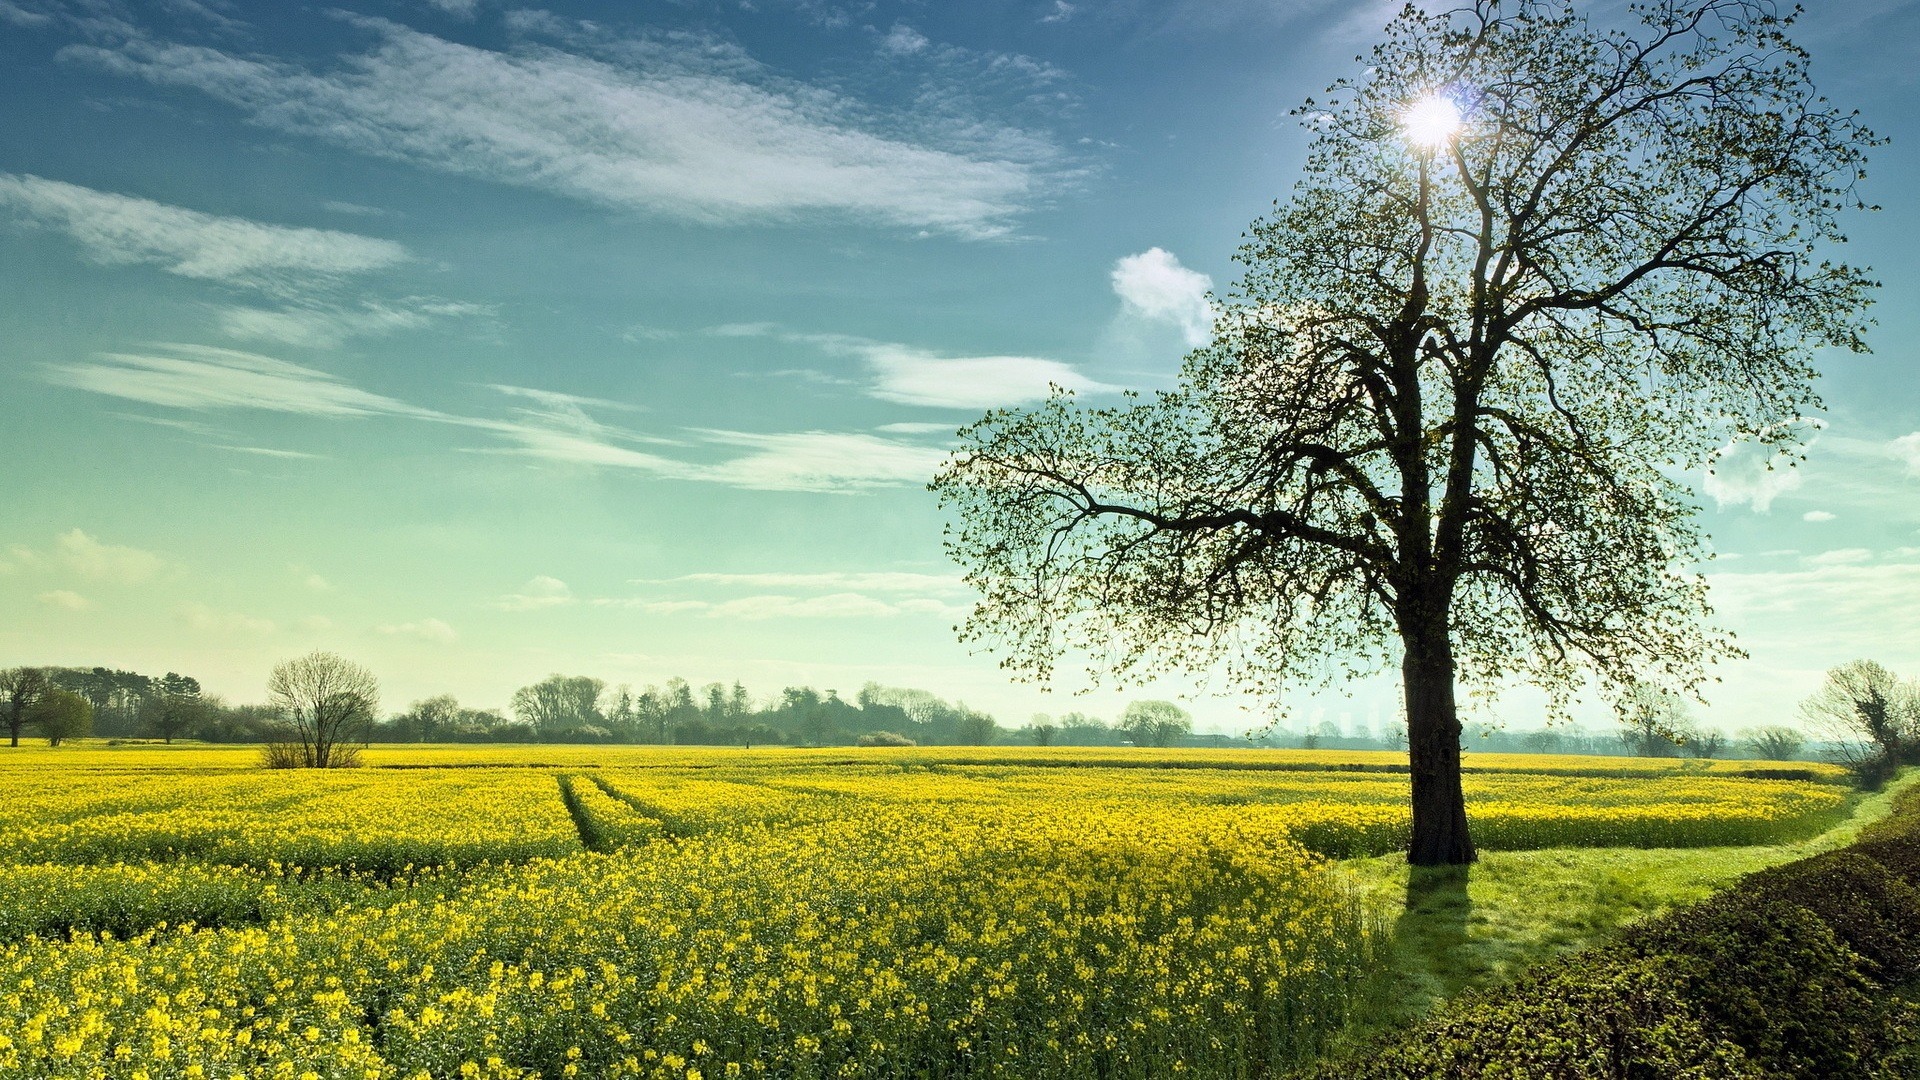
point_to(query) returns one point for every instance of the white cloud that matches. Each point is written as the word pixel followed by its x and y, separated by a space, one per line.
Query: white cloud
pixel 432 630
pixel 539 592
pixel 202 377
pixel 1154 286
pixel 1062 11
pixel 1841 557
pixel 675 126
pixel 1907 449
pixel 202 617
pixel 123 230
pixel 1746 472
pixel 903 40
pixel 96 561
pixel 912 376
pixel 66 599
pixel 1817 515
pixel 314 582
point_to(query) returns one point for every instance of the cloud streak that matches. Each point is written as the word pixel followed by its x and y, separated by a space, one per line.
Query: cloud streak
pixel 202 377
pixel 552 427
pixel 907 375
pixel 669 126
pixel 121 230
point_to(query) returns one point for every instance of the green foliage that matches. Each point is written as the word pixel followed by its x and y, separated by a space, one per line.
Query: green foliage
pixel 60 715
pixel 1155 723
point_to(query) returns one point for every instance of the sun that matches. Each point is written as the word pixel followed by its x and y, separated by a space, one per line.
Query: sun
pixel 1431 121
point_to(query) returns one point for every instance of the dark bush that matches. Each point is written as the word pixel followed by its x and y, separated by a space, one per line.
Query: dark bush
pixel 1772 977
pixel 1602 1014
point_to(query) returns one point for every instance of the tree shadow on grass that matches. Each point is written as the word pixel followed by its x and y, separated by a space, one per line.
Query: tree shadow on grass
pixel 1428 955
pixel 1431 933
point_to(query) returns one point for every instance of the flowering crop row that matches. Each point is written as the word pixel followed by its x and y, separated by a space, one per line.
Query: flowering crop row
pixel 900 943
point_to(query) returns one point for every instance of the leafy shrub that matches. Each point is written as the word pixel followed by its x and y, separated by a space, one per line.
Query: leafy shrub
pixel 884 738
pixel 285 755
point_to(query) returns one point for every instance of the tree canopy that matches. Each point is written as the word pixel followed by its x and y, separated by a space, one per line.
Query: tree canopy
pixel 1535 272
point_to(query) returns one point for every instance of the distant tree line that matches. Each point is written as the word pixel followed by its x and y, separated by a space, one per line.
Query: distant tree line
pixel 583 709
pixel 1863 716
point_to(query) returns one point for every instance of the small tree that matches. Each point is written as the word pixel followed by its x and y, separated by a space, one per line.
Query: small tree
pixel 1043 729
pixel 559 703
pixel 1703 743
pixel 1155 723
pixel 60 715
pixel 1773 743
pixel 170 711
pixel 430 719
pixel 1653 722
pixel 328 703
pixel 20 689
pixel 971 727
pixel 1870 717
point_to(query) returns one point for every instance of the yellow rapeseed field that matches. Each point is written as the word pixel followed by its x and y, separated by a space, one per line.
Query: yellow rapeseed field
pixel 695 914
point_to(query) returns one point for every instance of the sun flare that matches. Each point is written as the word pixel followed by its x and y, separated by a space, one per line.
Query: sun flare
pixel 1431 121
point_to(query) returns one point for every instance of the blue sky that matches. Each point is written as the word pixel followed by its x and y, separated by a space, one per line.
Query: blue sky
pixel 478 342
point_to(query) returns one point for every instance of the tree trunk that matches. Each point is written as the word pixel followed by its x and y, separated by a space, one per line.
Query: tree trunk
pixel 1440 835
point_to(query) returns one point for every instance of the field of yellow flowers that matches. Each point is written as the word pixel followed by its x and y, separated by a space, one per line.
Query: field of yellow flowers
pixel 696 914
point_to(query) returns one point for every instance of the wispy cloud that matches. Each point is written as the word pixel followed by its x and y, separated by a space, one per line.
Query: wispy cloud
pixel 65 599
pixel 78 552
pixel 809 595
pixel 124 230
pixel 205 618
pixel 202 377
pixel 907 375
pixel 821 461
pixel 1852 556
pixel 1847 607
pixel 842 605
pixel 92 559
pixel 1907 448
pixel 433 630
pixel 320 324
pixel 1154 286
pixel 675 126
pixel 840 580
pixel 552 426
pixel 539 592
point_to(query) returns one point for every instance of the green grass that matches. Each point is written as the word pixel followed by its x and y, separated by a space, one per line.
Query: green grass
pixel 1459 929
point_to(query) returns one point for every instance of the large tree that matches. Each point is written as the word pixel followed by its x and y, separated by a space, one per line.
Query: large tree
pixel 1535 272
